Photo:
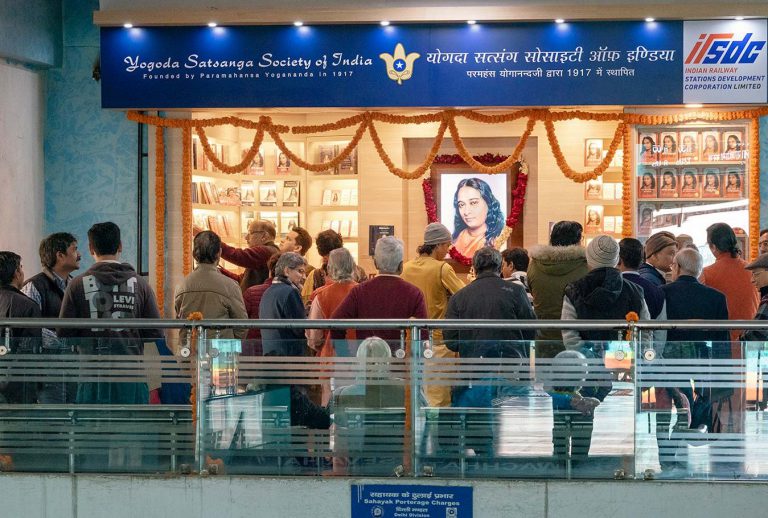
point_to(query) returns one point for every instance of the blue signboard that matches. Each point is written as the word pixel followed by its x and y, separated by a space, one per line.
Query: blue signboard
pixel 411 501
pixel 538 64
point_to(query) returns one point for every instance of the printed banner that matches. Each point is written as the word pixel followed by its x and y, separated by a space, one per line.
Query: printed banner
pixel 725 61
pixel 411 501
pixel 544 64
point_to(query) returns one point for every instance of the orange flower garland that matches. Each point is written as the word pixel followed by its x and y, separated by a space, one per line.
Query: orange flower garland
pixel 754 187
pixel 186 198
pixel 160 218
pixel 244 163
pixel 626 180
pixel 402 173
pixel 587 175
pixel 495 169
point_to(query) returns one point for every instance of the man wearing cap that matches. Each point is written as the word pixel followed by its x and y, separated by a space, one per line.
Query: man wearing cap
pixel 660 250
pixel 762 243
pixel 603 294
pixel 759 270
pixel 437 281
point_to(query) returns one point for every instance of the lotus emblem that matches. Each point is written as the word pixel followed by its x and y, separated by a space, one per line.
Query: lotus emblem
pixel 399 64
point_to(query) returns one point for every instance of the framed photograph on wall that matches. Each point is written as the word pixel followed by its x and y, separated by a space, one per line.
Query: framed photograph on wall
pixel 593 151
pixel 648 148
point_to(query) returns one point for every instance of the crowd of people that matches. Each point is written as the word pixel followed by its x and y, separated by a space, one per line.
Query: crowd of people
pixel 663 278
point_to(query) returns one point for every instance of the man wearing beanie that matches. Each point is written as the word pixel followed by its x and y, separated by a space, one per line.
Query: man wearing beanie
pixel 437 281
pixel 660 250
pixel 603 294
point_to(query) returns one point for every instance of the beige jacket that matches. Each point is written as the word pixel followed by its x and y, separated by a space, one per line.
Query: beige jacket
pixel 213 294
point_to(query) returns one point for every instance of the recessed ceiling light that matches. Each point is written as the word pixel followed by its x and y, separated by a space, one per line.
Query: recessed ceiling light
pixel 212 24
pixel 127 25
pixel 694 105
pixel 298 23
pixel 739 18
pixel 471 22
pixel 649 20
pixel 559 20
pixel 384 23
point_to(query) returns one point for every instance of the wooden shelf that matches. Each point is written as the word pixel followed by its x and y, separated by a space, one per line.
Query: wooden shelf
pixel 696 164
pixel 334 208
pixel 215 207
pixel 319 176
pixel 688 200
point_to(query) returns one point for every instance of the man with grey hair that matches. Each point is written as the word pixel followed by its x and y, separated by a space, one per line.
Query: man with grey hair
pixel 208 291
pixel 489 297
pixel 384 296
pixel 282 301
pixel 688 299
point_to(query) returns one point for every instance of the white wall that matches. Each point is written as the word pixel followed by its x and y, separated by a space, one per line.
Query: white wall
pixel 21 163
pixel 96 496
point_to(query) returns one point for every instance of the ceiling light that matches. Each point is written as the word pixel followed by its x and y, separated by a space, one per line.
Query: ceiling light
pixel 212 24
pixel 471 22
pixel 649 20
pixel 559 20
pixel 739 18
pixel 384 23
pixel 298 23
pixel 127 25
pixel 694 105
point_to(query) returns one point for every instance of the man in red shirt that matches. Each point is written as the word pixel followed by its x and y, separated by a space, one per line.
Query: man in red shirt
pixel 384 296
pixel 261 246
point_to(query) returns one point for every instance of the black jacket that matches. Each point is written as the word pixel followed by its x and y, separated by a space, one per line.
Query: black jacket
pixel 282 301
pixel 688 299
pixel 489 297
pixel 650 273
pixel 14 304
pixel 50 293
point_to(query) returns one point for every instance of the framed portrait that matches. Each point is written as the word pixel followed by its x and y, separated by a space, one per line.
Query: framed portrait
pixel 593 189
pixel 593 151
pixel 668 183
pixel 471 205
pixel 710 146
pixel 669 146
pixel 690 183
pixel 593 219
pixel 648 148
pixel 291 193
pixel 646 183
pixel 732 146
pixel 711 183
pixel 734 183
pixel 689 145
pixel 645 219
pixel 256 167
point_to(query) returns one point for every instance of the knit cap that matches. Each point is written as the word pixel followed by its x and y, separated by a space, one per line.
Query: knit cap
pixel 436 233
pixel 603 251
pixel 658 242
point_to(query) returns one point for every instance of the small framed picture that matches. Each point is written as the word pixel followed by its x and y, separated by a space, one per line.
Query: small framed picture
pixel 267 194
pixel 646 184
pixel 593 221
pixel 669 147
pixel 593 189
pixel 648 148
pixel 645 224
pixel 283 163
pixel 689 145
pixel 668 184
pixel 593 151
pixel 733 146
pixel 256 167
pixel 734 183
pixel 690 183
pixel 291 193
pixel 710 146
pixel 711 183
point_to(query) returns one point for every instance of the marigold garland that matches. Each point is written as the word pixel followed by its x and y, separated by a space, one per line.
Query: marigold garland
pixel 587 175
pixel 631 317
pixel 626 181
pixel 754 187
pixel 244 163
pixel 160 218
pixel 498 168
pixel 402 173
pixel 186 197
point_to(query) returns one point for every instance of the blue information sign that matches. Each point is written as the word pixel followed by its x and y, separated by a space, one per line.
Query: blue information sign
pixel 411 501
pixel 537 64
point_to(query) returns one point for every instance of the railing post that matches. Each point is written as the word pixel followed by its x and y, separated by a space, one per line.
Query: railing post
pixel 203 389
pixel 415 383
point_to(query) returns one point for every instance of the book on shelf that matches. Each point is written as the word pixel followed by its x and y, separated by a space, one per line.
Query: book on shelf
pixel 335 197
pixel 326 153
pixel 268 194
pixel 618 191
pixel 353 199
pixel 282 162
pixel 256 167
pixel 288 221
pixel 593 189
pixel 206 193
pixel 349 164
pixel 221 224
pixel 269 216
pixel 609 224
pixel 326 200
pixel 345 227
pixel 336 226
pixel 247 193
pixel 353 228
pixel 230 196
pixel 291 190
pixel 346 197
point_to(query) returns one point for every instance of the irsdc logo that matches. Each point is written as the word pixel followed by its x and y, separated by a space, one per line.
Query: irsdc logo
pixel 399 64
pixel 722 48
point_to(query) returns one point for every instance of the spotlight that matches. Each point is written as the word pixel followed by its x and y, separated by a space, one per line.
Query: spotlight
pixel 212 24
pixel 559 20
pixel 650 20
pixel 471 22
pixel 128 25
pixel 739 18
pixel 384 23
pixel 298 23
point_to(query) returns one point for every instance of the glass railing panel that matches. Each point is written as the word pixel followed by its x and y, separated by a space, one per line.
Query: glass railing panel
pixel 308 415
pixel 510 414
pixel 700 415
pixel 79 413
